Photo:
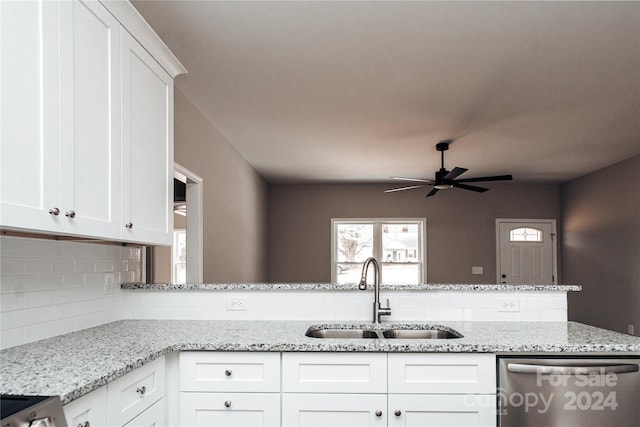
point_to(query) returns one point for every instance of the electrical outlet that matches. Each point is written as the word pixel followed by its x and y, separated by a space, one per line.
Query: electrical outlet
pixel 477 270
pixel 109 280
pixel 236 304
pixel 630 329
pixel 509 304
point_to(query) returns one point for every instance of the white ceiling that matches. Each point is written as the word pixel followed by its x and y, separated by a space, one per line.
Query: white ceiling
pixel 360 91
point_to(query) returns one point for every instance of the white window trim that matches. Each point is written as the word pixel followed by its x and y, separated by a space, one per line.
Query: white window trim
pixel 422 241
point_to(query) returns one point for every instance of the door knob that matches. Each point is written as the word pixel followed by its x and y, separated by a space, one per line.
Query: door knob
pixel 227 404
pixel 398 412
pixel 228 372
pixel 129 225
pixel 54 211
pixel 70 214
pixel 378 413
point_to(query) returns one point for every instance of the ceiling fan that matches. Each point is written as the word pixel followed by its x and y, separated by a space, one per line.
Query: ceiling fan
pixel 447 179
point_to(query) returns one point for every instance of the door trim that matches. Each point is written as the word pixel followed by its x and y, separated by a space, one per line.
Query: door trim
pixel 554 246
pixel 195 227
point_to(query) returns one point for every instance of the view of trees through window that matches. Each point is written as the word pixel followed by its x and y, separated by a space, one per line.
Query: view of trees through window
pixel 397 245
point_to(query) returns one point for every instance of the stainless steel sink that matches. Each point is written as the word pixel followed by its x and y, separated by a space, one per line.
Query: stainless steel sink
pixel 341 333
pixel 420 334
pixel 405 332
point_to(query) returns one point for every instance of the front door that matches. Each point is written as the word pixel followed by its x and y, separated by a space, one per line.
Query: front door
pixel 526 251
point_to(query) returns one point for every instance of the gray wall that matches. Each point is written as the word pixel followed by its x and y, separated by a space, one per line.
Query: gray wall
pixel 235 199
pixel 601 250
pixel 460 225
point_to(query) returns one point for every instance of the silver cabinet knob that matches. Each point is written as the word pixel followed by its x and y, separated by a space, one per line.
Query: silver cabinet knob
pixel 84 424
pixel 227 404
pixel 40 422
pixel 398 412
pixel 71 214
pixel 142 390
pixel 228 372
pixel 54 211
pixel 129 225
pixel 378 413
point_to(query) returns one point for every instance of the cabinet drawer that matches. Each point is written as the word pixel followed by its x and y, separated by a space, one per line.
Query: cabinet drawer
pixel 131 394
pixel 334 373
pixel 229 371
pixel 88 410
pixel 442 373
pixel 230 409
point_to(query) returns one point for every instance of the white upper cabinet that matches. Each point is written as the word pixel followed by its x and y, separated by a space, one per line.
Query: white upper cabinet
pixel 28 113
pixel 87 122
pixel 147 136
pixel 90 139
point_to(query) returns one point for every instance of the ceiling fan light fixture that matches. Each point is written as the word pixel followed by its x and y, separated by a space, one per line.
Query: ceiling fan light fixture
pixel 443 186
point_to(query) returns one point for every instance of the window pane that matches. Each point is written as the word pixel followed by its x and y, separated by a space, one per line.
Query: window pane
pixel 355 242
pixel 401 273
pixel 400 243
pixel 525 234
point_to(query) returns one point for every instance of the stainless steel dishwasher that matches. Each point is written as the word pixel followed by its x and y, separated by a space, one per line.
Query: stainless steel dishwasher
pixel 568 392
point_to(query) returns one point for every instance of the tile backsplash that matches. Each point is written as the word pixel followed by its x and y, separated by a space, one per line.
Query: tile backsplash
pixel 51 287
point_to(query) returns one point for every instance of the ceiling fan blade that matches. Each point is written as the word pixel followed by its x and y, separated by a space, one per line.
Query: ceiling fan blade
pixel 411 187
pixel 488 178
pixel 470 187
pixel 456 172
pixel 432 192
pixel 401 178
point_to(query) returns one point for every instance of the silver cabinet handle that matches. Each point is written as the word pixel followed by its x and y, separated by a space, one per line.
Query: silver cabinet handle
pixel 521 368
pixel 378 413
pixel 398 412
pixel 228 372
pixel 227 404
pixel 129 225
pixel 142 390
pixel 71 214
pixel 54 211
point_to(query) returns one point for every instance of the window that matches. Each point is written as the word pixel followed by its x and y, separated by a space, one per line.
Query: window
pixel 525 234
pixel 179 256
pixel 398 244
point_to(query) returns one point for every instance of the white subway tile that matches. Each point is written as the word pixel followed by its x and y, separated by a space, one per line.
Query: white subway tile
pixel 63 265
pixel 37 265
pixel 12 301
pixel 11 338
pixel 11 266
pixel 73 280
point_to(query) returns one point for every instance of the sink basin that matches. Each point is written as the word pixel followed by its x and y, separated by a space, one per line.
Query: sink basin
pixel 341 333
pixel 420 334
pixel 408 332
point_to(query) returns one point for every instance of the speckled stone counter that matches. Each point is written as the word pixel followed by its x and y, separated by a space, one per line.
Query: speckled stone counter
pixel 74 364
pixel 341 287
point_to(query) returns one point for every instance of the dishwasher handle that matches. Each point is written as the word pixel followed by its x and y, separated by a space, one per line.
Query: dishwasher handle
pixel 525 368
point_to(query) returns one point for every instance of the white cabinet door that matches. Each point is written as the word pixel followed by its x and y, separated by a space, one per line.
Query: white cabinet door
pixel 90 139
pixel 88 410
pixel 442 410
pixel 29 114
pixel 154 416
pixel 230 409
pixel 147 137
pixel 333 410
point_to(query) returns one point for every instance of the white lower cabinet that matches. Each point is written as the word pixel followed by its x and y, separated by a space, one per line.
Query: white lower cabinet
pixel 88 411
pixel 334 410
pixel 229 389
pixel 154 416
pixel 446 410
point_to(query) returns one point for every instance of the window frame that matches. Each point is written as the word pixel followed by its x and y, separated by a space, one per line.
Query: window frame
pixel 377 241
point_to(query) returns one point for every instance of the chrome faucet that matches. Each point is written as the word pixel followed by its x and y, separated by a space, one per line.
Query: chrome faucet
pixel 362 285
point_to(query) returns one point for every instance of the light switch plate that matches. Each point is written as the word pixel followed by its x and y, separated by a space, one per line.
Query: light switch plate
pixel 477 270
pixel 237 304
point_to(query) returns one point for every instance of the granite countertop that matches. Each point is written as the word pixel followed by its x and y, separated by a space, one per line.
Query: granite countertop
pixel 74 364
pixel 341 287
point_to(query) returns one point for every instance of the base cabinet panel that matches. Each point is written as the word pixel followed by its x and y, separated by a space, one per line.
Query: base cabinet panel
pixel 89 410
pixel 334 410
pixel 229 409
pixel 442 410
pixel 154 416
